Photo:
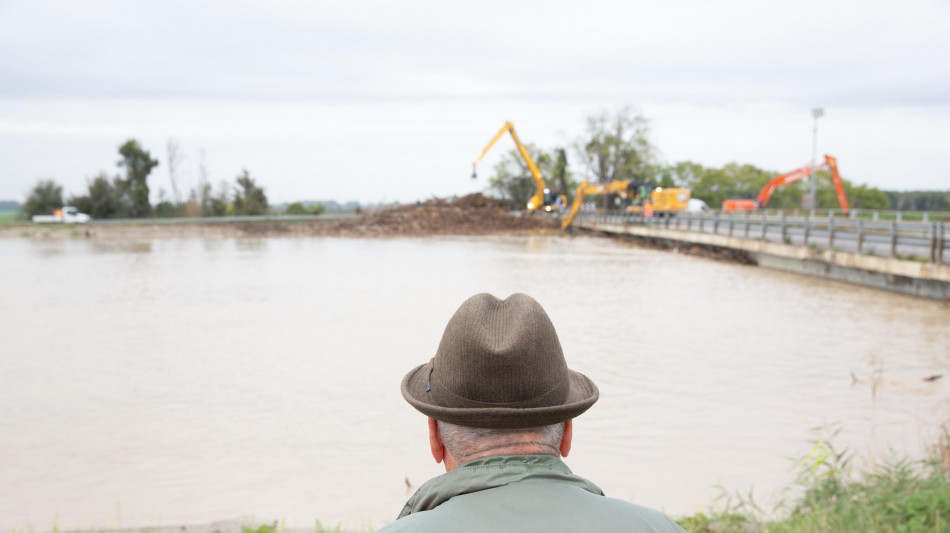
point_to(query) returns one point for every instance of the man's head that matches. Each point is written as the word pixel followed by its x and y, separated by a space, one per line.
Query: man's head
pixel 500 367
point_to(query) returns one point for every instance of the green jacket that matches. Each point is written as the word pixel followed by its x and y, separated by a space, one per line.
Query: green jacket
pixel 521 493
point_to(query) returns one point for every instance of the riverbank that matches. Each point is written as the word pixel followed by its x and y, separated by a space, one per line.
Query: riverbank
pixel 897 495
pixel 472 215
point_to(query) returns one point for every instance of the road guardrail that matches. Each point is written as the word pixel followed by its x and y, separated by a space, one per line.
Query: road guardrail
pixel 891 238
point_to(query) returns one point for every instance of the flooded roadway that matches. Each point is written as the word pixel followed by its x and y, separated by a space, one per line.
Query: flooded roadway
pixel 162 382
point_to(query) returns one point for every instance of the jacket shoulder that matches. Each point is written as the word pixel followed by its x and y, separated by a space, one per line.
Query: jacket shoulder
pixel 535 507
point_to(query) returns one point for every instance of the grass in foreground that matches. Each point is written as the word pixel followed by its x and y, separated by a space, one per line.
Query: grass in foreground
pixel 897 495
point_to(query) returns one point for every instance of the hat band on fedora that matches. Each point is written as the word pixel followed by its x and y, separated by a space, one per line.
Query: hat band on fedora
pixel 441 395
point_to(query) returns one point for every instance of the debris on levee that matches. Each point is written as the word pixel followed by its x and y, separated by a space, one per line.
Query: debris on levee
pixel 474 214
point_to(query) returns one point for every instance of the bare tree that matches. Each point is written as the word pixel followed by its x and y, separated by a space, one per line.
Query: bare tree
pixel 204 188
pixel 174 160
pixel 616 146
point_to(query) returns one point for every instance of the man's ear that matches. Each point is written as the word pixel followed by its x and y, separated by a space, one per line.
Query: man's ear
pixel 435 441
pixel 566 439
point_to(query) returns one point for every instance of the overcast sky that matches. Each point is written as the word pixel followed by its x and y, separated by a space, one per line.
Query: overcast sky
pixel 384 101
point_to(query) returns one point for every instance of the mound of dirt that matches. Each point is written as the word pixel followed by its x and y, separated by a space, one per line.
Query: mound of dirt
pixel 474 214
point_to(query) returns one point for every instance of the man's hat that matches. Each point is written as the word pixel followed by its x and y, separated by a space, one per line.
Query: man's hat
pixel 499 365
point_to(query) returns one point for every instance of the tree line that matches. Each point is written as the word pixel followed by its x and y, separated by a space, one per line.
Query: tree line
pixel 126 195
pixel 617 146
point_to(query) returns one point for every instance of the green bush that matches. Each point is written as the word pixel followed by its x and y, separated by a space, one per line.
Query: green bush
pixel 297 208
pixel 896 495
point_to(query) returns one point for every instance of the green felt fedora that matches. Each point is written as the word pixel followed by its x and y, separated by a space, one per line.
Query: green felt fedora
pixel 499 365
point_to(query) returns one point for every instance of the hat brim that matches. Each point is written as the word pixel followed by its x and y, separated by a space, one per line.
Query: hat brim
pixel 582 394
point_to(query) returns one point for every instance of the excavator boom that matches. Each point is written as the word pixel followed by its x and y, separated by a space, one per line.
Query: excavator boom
pixel 832 164
pixel 785 179
pixel 538 198
pixel 620 187
pixel 780 181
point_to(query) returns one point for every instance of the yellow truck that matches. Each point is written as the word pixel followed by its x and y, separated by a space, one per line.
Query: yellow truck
pixel 663 202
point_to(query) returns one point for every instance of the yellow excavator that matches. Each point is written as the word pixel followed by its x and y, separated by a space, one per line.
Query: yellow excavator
pixel 658 201
pixel 542 198
pixel 622 188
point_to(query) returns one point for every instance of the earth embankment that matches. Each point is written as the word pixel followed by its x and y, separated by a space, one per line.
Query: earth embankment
pixel 474 214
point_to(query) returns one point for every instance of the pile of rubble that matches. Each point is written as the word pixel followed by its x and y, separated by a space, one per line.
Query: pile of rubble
pixel 474 214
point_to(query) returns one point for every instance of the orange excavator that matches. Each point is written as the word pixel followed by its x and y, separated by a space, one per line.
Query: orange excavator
pixel 760 201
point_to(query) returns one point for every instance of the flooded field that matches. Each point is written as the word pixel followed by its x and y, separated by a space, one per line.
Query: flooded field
pixel 173 381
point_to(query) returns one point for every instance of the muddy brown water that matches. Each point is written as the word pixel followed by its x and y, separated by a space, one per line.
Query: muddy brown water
pixel 174 381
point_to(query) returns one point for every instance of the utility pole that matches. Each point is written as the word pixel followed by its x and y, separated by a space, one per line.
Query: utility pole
pixel 817 113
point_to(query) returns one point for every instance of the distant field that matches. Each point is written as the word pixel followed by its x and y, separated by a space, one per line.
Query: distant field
pixel 7 217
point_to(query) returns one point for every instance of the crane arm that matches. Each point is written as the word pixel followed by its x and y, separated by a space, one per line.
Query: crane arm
pixel 537 199
pixel 785 179
pixel 832 165
pixel 504 129
pixel 579 195
pixel 620 187
pixel 780 181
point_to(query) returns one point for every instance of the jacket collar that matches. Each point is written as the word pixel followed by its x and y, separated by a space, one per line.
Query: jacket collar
pixel 491 472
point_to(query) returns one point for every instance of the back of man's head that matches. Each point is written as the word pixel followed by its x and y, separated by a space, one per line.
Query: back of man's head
pixel 499 381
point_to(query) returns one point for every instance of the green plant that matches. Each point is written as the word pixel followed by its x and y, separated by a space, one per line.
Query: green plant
pixel 263 528
pixel 910 257
pixel 729 512
pixel 321 529
pixel 897 495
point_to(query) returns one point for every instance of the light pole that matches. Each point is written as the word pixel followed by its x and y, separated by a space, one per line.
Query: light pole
pixel 816 112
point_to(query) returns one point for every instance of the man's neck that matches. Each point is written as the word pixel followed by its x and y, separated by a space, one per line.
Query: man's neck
pixel 527 448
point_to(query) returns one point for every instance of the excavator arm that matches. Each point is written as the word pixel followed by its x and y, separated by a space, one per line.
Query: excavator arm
pixel 832 164
pixel 785 179
pixel 579 195
pixel 780 181
pixel 620 187
pixel 537 199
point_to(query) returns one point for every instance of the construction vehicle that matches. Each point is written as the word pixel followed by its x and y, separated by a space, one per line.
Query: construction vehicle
pixel 622 188
pixel 659 202
pixel 63 215
pixel 663 202
pixel 543 197
pixel 760 201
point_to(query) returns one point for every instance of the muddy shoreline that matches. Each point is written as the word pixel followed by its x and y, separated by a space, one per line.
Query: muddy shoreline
pixel 472 215
pixel 269 229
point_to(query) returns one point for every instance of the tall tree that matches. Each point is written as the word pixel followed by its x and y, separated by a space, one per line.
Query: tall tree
pixel 560 175
pixel 174 161
pixel 105 199
pixel 616 146
pixel 138 163
pixel 249 199
pixel 46 196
